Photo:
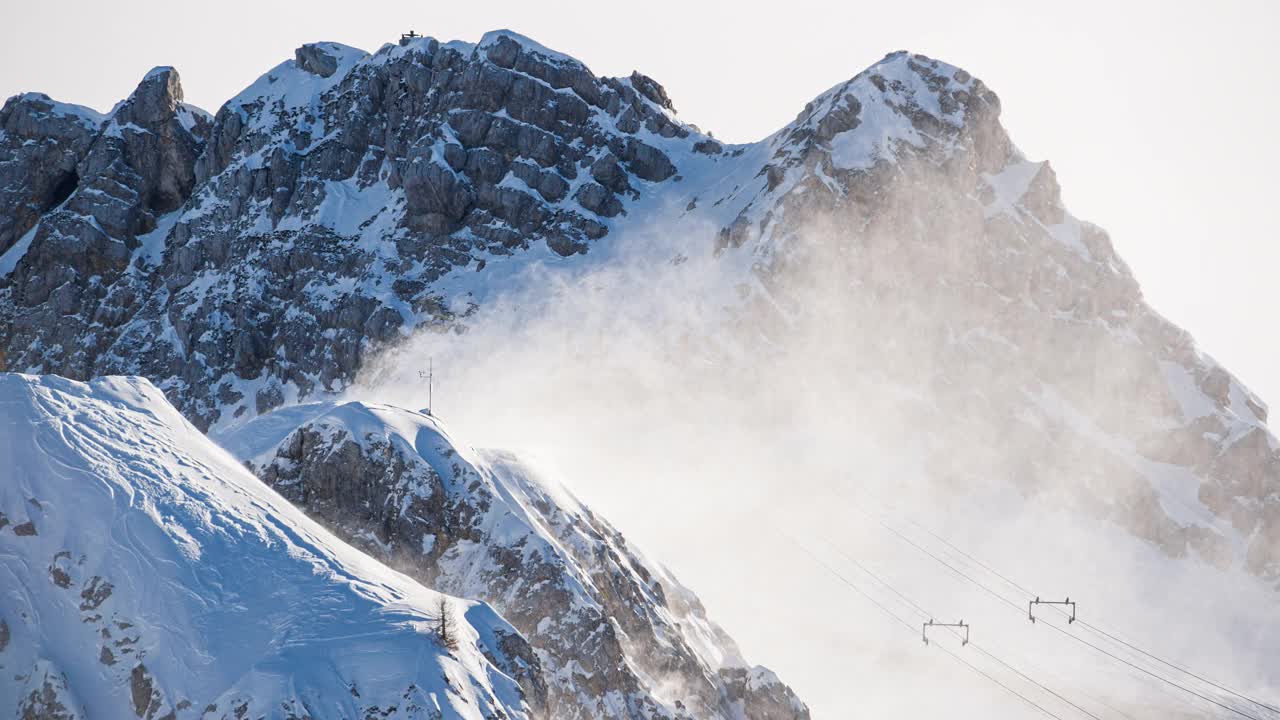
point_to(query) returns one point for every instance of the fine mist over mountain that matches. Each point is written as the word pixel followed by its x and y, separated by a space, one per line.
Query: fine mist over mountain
pixel 871 352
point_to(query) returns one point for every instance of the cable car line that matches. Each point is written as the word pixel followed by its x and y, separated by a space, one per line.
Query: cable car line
pixel 979 648
pixel 1135 648
pixel 911 628
pixel 1094 628
pixel 1078 639
pixel 995 680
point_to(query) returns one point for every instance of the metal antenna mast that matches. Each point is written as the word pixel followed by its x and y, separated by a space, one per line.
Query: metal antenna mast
pixel 429 376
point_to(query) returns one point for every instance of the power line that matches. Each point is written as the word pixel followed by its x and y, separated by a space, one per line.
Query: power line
pixel 1099 631
pixel 984 674
pixel 1142 669
pixel 971 558
pixel 927 614
pixel 944 563
pixel 923 613
pixel 911 628
pixel 1135 648
pixel 1033 681
pixel 1006 601
pixel 1012 583
pixel 849 583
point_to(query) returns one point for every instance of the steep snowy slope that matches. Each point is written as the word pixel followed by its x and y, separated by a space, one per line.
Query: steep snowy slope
pixel 146 574
pixel 617 635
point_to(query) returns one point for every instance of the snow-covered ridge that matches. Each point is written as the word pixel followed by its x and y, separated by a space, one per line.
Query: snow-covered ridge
pixel 865 118
pixel 617 635
pixel 147 574
pixel 85 115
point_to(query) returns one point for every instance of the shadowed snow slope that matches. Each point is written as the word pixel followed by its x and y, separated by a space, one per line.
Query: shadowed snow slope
pixel 145 573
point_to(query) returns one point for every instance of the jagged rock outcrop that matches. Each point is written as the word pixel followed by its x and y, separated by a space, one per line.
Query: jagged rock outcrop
pixel 69 291
pixel 389 170
pixel 617 635
pixel 43 141
pixel 44 695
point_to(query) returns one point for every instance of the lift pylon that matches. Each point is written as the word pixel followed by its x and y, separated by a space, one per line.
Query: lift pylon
pixel 962 625
pixel 1032 604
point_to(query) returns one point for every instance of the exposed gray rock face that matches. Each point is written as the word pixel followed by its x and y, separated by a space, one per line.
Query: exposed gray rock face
pixel 354 182
pixel 70 292
pixel 41 142
pixel 617 636
pixel 316 58
pixel 45 695
pixel 757 693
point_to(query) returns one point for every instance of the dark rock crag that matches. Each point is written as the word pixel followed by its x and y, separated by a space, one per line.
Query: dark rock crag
pixel 617 636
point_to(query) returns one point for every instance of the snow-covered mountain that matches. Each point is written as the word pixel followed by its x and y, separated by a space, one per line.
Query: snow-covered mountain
pixel 1014 337
pixel 344 200
pixel 147 574
pixel 892 237
pixel 258 256
pixel 617 636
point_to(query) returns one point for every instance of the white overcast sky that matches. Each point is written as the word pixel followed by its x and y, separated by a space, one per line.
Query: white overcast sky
pixel 1158 116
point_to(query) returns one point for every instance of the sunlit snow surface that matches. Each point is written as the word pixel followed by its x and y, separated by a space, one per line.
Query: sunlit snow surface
pixel 220 588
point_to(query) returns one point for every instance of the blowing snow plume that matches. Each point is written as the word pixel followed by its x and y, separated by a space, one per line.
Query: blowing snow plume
pixel 616 634
pixel 901 339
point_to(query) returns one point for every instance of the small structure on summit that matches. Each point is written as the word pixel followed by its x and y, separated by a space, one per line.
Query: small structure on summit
pixel 429 376
pixel 406 38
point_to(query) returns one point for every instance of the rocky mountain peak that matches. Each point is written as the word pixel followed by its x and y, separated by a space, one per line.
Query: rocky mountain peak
pixel 154 102
pixel 903 100
pixel 650 89
pixel 29 113
pixel 504 48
